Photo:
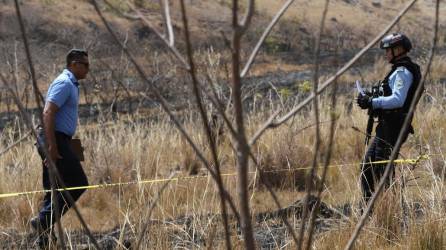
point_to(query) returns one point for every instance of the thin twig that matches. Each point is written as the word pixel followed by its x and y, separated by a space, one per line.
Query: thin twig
pixel 168 21
pixel 248 16
pixel 216 102
pixel 265 34
pixel 206 127
pixel 163 103
pixel 157 94
pixel 273 123
pixel 52 167
pixel 220 109
pixel 168 43
pixel 310 177
pixel 399 142
pixel 327 160
pixel 118 79
pixel 37 93
pixel 29 123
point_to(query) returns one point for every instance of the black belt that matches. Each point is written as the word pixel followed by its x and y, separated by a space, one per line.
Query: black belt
pixel 65 136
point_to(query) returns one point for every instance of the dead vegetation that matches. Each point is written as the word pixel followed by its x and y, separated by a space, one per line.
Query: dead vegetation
pixel 128 139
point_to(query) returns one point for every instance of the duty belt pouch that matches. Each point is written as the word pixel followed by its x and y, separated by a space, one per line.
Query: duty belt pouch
pixel 40 143
pixel 77 148
pixel 75 145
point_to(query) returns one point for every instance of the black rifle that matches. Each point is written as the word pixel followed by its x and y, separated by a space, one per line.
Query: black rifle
pixel 372 114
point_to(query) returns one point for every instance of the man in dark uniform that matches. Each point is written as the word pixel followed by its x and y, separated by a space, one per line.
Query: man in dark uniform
pixel 390 104
pixel 60 117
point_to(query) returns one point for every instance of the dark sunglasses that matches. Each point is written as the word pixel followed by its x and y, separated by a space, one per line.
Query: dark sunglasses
pixel 87 65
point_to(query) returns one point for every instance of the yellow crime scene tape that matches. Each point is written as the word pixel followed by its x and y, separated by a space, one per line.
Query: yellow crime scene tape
pixel 153 181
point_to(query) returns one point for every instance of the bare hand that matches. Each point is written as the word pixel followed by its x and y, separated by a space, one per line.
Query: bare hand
pixel 54 154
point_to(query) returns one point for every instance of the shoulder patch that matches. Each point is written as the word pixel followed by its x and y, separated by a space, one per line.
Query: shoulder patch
pixel 399 83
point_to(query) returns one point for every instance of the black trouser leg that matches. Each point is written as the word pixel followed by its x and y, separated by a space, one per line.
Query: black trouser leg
pixel 71 172
pixel 367 173
pixel 379 150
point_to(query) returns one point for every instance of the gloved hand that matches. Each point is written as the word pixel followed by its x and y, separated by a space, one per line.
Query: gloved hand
pixel 364 101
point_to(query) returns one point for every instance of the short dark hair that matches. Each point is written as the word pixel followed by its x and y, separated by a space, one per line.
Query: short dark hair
pixel 76 55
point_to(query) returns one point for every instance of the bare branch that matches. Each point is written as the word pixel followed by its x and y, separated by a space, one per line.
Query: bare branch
pixel 215 101
pixel 242 146
pixel 206 126
pixel 157 94
pixel 118 79
pixel 248 16
pixel 327 160
pixel 163 103
pixel 268 124
pixel 273 123
pixel 168 43
pixel 265 34
pixel 168 21
pixel 37 93
pixel 317 142
pixel 399 142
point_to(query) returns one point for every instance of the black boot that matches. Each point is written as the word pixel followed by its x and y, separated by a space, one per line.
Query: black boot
pixel 45 236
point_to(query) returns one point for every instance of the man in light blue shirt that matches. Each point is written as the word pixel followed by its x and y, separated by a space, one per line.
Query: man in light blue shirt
pixel 390 102
pixel 64 93
pixel 60 117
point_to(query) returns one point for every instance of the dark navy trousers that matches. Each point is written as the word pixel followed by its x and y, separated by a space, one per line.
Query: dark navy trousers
pixel 72 174
pixel 380 149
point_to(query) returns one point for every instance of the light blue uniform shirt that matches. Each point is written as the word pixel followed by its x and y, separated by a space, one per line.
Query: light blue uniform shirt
pixel 64 93
pixel 399 81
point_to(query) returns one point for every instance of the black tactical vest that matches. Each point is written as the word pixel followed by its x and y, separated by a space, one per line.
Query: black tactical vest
pixel 416 73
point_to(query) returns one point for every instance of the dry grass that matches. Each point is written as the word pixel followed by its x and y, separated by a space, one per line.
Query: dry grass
pixel 127 149
pixel 133 150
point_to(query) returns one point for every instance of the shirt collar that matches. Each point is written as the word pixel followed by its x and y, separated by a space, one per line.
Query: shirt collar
pixel 71 76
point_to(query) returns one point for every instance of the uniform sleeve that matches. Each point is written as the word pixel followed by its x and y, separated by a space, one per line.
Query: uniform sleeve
pixel 58 93
pixel 400 87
